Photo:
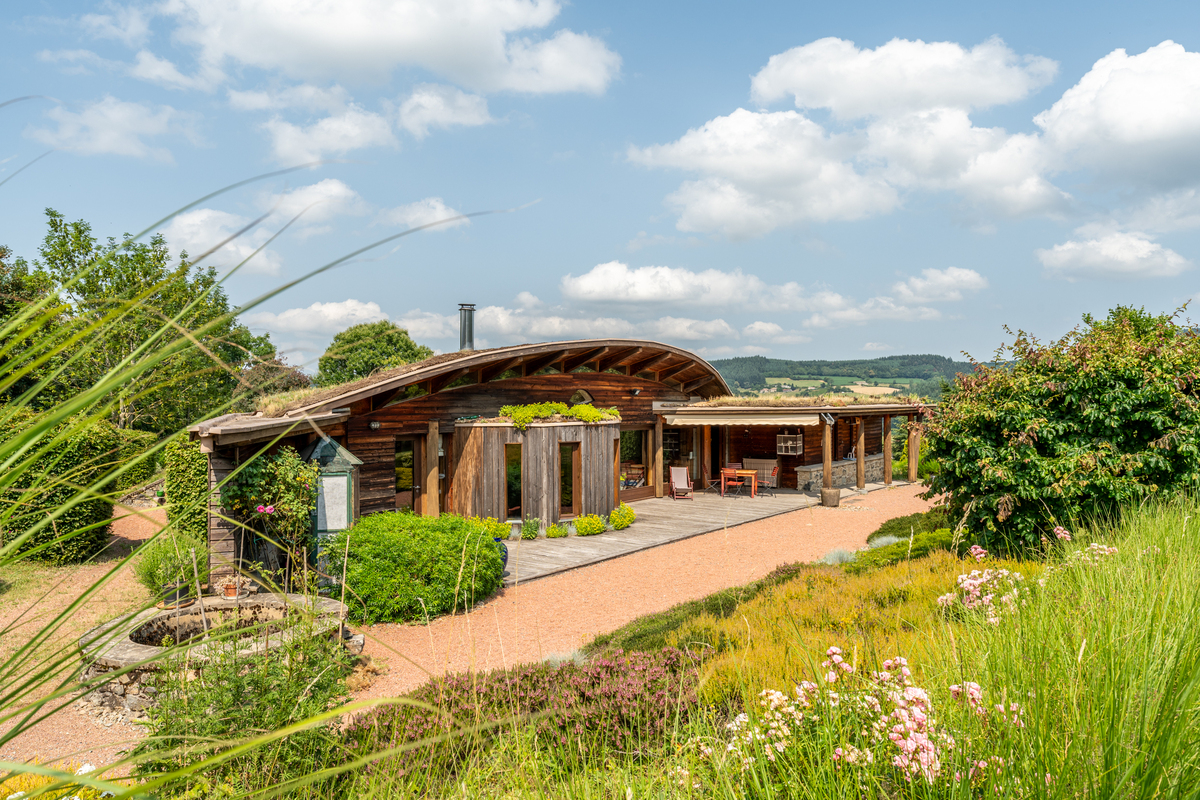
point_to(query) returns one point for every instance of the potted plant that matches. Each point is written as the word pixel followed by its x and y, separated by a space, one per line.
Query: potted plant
pixel 230 589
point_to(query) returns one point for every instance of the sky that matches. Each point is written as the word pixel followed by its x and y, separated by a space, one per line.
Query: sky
pixel 798 180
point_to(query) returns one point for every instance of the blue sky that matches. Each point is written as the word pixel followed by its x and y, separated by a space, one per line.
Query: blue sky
pixel 797 180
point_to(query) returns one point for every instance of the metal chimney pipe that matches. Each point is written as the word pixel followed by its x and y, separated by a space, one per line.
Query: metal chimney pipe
pixel 466 326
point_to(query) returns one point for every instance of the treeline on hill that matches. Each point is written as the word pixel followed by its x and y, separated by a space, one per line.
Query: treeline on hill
pixel 751 372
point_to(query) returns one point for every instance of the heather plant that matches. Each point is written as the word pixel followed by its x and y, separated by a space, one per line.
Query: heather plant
pixel 403 567
pixel 906 548
pixel 906 526
pixel 622 704
pixel 1106 416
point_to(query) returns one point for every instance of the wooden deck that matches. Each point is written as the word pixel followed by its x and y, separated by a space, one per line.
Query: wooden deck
pixel 659 521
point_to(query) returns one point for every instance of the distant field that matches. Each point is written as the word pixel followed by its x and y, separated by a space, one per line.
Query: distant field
pixel 834 380
pixel 802 382
pixel 873 389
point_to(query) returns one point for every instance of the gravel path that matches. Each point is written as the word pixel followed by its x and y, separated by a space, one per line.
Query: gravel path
pixel 558 614
pixel 69 734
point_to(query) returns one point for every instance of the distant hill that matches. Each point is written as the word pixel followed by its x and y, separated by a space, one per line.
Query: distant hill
pixel 751 372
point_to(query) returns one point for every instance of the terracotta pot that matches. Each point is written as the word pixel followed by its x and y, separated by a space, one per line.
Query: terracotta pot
pixel 231 591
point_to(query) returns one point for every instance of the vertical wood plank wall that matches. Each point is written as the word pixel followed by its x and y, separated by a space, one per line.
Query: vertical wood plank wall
pixel 223 538
pixel 480 482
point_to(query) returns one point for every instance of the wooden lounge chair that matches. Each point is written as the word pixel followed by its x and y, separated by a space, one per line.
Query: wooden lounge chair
pixel 729 477
pixel 681 484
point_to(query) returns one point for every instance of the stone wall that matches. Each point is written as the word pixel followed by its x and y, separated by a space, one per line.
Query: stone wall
pixel 845 474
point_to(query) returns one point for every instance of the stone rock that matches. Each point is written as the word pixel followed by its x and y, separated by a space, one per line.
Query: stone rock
pixel 137 703
pixel 131 690
pixel 149 691
pixel 118 690
pixel 124 679
pixel 356 643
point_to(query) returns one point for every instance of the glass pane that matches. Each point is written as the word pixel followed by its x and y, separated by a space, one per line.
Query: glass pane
pixel 566 478
pixel 633 459
pixel 404 473
pixel 512 474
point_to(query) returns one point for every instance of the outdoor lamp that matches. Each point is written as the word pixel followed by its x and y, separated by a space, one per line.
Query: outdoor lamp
pixel 373 424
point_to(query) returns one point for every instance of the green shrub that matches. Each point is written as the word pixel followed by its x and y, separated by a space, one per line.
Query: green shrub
pixel 86 455
pixel 922 544
pixel 403 566
pixel 557 531
pixel 590 525
pixel 521 416
pixel 903 527
pixel 1104 416
pixel 529 528
pixel 622 517
pixel 168 559
pixel 132 445
pixel 492 527
pixel 186 486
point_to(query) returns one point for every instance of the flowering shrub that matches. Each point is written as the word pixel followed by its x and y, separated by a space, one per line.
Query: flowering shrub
pixel 991 592
pixel 626 702
pixel 590 525
pixel 880 726
pixel 557 531
pixel 622 517
pixel 529 528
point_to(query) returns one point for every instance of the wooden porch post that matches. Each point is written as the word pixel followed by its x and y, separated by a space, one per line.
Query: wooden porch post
pixel 914 448
pixel 706 458
pixel 887 449
pixel 658 456
pixel 860 472
pixel 826 455
pixel 429 486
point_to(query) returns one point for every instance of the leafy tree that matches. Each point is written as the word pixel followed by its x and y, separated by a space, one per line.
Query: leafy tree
pixel 1108 414
pixel 363 349
pixel 265 377
pixel 115 296
pixel 19 288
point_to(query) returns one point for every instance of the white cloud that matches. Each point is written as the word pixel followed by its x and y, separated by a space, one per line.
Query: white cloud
pixel 153 69
pixel 773 333
pixel 422 212
pixel 320 202
pixel 900 77
pixel 485 45
pixel 318 319
pixel 765 170
pixel 111 126
pixel 1115 255
pixel 305 96
pixel 77 62
pixel 425 325
pixel 127 24
pixel 876 347
pixel 433 105
pixel 939 285
pixel 197 231
pixel 871 310
pixel 353 129
pixel 1136 118
pixel 1171 211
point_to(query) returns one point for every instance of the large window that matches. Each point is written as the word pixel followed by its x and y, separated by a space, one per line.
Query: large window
pixel 406 462
pixel 512 479
pixel 569 500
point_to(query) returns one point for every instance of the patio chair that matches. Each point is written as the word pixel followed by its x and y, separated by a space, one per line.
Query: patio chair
pixel 771 483
pixel 729 477
pixel 681 484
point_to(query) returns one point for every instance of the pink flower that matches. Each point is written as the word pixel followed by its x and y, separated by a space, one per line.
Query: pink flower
pixel 270 509
pixel 978 553
pixel 261 509
pixel 1062 533
pixel 831 677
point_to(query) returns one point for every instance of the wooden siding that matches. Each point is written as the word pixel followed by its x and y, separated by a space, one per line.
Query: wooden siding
pixel 480 482
pixel 223 538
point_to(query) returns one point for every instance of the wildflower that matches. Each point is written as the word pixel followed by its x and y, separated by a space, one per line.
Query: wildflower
pixel 270 509
pixel 978 553
pixel 1061 533
pixel 85 769
pixel 261 509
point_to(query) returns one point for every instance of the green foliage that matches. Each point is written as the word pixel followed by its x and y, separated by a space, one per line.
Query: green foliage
pixel 921 544
pixel 903 527
pixel 277 495
pixel 492 527
pixel 521 416
pixel 127 292
pixel 557 531
pixel 751 372
pixel 233 698
pixel 403 567
pixel 529 528
pixel 590 525
pixel 186 487
pixel 1107 415
pixel 361 350
pixel 134 444
pixel 77 454
pixel 266 377
pixel 622 517
pixel 168 559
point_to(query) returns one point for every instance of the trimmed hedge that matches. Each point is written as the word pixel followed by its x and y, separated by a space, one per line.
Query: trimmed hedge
pixel 186 484
pixel 403 567
pixel 922 544
pixel 86 458
pixel 134 444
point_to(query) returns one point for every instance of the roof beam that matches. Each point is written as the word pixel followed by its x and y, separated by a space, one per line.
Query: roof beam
pixel 572 363
pixel 499 368
pixel 650 363
pixel 671 372
pixel 692 386
pixel 612 359
pixel 533 365
pixel 380 400
pixel 442 381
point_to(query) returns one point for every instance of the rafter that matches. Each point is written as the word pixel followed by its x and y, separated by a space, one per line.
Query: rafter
pixel 650 363
pixel 380 400
pixel 612 359
pixel 533 365
pixel 692 386
pixel 444 380
pixel 499 368
pixel 671 372
pixel 572 363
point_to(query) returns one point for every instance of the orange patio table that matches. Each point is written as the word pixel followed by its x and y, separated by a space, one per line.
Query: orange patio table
pixel 752 474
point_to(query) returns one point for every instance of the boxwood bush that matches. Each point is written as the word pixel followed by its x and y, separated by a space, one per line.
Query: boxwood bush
pixel 186 485
pixel 403 566
pixel 85 457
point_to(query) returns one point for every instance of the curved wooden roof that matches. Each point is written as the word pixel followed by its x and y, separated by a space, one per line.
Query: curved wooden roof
pixel 674 366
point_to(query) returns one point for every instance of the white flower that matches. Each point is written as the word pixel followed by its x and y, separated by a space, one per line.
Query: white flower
pixel 85 769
